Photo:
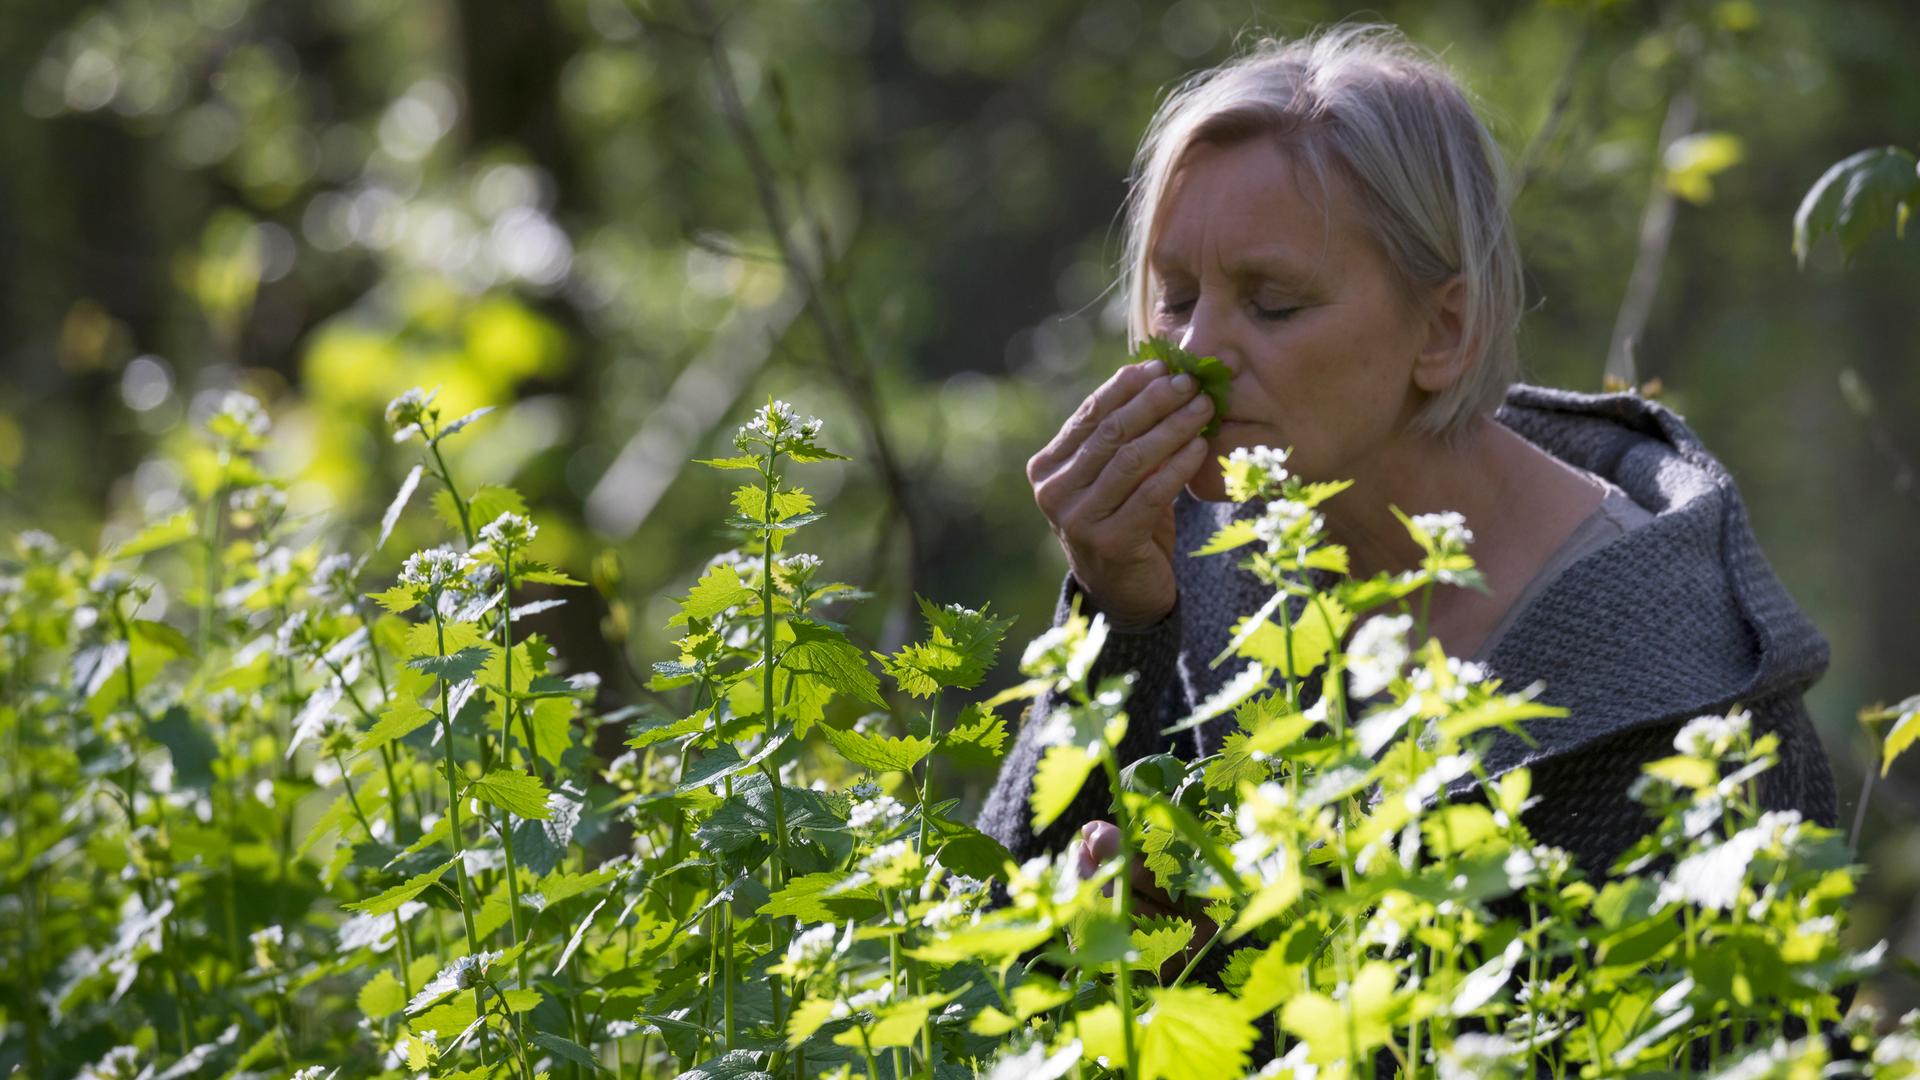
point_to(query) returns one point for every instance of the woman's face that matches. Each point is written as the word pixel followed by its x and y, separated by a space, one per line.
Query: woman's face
pixel 1281 283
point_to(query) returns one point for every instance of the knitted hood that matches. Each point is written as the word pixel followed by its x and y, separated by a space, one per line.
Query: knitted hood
pixel 1679 617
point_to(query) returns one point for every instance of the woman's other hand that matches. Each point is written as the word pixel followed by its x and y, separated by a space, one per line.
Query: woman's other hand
pixel 1106 483
pixel 1099 842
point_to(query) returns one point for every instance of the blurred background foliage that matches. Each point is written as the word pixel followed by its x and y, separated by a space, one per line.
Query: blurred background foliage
pixel 563 207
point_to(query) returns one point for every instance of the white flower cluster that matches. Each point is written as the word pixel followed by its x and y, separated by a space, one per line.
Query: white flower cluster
pixel 1463 673
pixel 1711 736
pixel 885 856
pixel 1287 524
pixel 243 411
pixel 865 789
pixel 407 412
pixel 1254 471
pixel 777 422
pixel 865 999
pixel 812 945
pixel 798 569
pixel 509 530
pixel 119 1063
pixel 1377 653
pixel 878 814
pixel 961 610
pixel 434 569
pixel 331 575
pixel 1448 529
pixel 36 544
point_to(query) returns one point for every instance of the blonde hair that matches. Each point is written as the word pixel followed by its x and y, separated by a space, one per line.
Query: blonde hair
pixel 1429 179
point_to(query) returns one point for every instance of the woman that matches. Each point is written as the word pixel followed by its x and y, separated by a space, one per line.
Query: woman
pixel 1328 218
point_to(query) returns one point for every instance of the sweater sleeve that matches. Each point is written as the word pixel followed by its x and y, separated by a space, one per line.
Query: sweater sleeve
pixel 1157 694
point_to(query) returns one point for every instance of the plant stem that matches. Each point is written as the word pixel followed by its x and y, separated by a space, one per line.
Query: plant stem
pixel 1122 903
pixel 454 839
pixel 780 928
pixel 446 477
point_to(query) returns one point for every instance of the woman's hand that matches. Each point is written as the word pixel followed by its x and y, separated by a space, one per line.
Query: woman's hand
pixel 1107 481
pixel 1100 841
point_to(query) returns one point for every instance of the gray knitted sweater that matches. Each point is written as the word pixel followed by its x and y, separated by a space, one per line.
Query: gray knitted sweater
pixel 1679 617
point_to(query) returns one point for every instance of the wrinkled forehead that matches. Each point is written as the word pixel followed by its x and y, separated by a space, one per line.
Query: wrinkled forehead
pixel 1292 205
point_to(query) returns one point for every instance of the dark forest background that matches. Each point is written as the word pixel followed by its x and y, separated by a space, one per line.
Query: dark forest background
pixel 626 223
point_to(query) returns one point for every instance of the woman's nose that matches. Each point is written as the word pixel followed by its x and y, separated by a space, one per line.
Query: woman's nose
pixel 1203 337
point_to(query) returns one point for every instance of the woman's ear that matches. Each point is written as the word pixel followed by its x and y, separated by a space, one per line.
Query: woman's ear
pixel 1442 359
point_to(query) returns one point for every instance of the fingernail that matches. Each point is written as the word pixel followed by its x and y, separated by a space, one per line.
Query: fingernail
pixel 1199 405
pixel 1155 369
pixel 1183 382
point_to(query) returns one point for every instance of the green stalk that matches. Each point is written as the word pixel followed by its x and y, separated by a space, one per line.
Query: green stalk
pixel 780 929
pixel 1122 903
pixel 506 753
pixel 899 1054
pixel 446 477
pixel 454 840
pixel 926 771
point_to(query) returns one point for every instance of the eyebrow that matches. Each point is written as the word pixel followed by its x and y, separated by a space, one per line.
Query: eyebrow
pixel 1268 265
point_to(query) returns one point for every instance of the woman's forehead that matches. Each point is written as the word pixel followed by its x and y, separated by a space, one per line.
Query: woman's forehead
pixel 1252 208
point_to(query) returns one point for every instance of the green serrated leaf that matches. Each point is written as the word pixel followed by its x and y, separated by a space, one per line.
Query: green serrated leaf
pixel 402 717
pixel 879 753
pixel 743 461
pixel 1232 536
pixel 568 1050
pixel 718 590
pixel 399 600
pixel 751 501
pixel 401 893
pixel 1213 375
pixel 515 792
pixel 456 668
pixel 978 737
pixel 382 996
pixel 1062 772
pixel 160 534
pixel 825 654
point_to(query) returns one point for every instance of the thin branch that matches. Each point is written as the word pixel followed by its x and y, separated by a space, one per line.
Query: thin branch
pixel 847 362
pixel 1656 234
pixel 1529 161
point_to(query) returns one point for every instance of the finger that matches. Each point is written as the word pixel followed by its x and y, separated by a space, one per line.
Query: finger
pixel 1114 436
pixel 1149 501
pixel 1131 464
pixel 1121 387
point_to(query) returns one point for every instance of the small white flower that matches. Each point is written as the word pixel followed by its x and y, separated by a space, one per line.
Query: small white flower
pixel 406 413
pixel 812 945
pixel 37 544
pixel 865 789
pixel 1378 651
pixel 509 530
pixel 1286 524
pixel 1448 529
pixel 1711 736
pixel 1254 471
pixel 119 1063
pixel 435 569
pixel 244 411
pixel 962 611
pixel 885 855
pixel 878 814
